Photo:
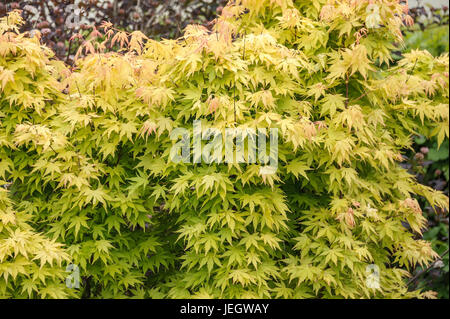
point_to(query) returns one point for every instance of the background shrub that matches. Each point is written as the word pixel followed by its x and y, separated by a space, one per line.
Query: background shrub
pixel 58 21
pixel 428 161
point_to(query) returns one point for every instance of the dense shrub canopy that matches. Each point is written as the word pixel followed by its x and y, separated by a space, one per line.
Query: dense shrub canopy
pixel 85 154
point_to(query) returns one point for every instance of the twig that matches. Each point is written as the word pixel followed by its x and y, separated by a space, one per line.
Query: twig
pixel 234 98
pixel 68 51
pixel 243 54
pixel 409 76
pixel 359 98
pixel 53 149
pixel 346 91
pixel 78 89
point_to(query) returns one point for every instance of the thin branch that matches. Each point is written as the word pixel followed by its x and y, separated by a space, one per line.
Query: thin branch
pixel 420 273
pixel 78 89
pixel 234 98
pixel 68 51
pixel 346 90
pixel 412 71
pixel 359 98
pixel 53 149
pixel 243 54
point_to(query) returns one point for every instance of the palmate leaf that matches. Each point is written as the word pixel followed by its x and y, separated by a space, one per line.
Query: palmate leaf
pixel 298 168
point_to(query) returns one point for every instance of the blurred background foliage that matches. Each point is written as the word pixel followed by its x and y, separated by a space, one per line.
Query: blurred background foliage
pixel 59 21
pixel 430 31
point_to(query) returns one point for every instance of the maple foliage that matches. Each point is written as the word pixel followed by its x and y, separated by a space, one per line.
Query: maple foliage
pixel 86 155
